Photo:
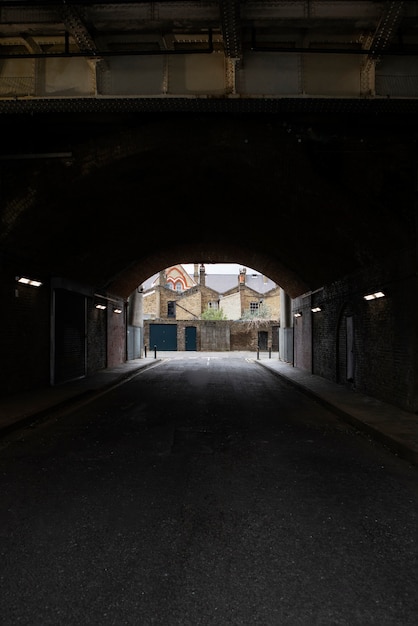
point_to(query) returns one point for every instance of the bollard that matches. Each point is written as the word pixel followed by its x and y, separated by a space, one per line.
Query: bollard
pixel 155 352
pixel 145 351
pixel 269 353
pixel 258 353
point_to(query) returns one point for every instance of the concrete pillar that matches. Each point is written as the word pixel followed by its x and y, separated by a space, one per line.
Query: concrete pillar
pixel 285 309
pixel 134 331
pixel 135 308
pixel 286 328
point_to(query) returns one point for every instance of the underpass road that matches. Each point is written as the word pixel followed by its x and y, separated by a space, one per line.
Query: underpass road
pixel 205 492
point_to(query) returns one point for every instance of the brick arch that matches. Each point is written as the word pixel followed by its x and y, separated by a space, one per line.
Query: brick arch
pixel 291 205
pixel 224 252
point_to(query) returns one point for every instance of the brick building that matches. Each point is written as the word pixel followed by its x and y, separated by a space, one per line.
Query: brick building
pixel 174 302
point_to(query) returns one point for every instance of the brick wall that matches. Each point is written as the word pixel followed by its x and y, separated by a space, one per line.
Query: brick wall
pixel 106 336
pixel 26 354
pixel 190 305
pixel 385 332
pixel 96 338
pixel 149 304
pixel 228 335
pixel 116 333
pixel 25 336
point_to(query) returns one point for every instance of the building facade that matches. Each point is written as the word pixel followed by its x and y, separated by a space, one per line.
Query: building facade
pixel 175 305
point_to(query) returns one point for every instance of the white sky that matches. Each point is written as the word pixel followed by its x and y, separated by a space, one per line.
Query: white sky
pixel 219 268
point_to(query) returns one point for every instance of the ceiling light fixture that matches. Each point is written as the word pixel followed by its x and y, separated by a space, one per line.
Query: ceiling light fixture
pixel 100 306
pixel 28 281
pixel 298 314
pixel 117 310
pixel 316 309
pixel 373 296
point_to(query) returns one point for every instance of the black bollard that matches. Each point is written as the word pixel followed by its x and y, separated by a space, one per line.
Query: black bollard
pixel 155 352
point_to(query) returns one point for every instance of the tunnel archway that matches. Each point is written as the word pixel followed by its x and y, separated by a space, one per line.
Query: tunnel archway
pixel 217 252
pixel 307 201
pixel 297 199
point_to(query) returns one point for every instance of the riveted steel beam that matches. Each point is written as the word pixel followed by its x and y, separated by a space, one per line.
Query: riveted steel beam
pixel 230 28
pixel 76 26
pixel 378 44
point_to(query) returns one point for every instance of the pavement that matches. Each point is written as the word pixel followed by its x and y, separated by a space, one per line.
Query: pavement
pixel 393 427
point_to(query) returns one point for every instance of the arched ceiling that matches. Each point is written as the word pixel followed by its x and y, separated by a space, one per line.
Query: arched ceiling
pixel 136 135
pixel 109 201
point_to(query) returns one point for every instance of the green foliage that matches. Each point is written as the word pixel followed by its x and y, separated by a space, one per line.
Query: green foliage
pixel 213 314
pixel 263 313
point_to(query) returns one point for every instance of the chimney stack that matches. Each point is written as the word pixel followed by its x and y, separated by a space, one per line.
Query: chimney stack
pixel 241 277
pixel 202 276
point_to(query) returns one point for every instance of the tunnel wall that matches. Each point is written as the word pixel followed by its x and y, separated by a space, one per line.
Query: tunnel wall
pixel 96 338
pixel 384 349
pixel 24 336
pixel 384 332
pixel 116 331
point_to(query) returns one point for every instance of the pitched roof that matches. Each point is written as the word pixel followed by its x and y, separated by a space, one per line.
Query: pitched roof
pixel 225 282
pixel 221 283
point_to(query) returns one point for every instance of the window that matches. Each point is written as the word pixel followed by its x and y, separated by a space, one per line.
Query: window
pixel 179 286
pixel 254 307
pixel 213 305
pixel 171 309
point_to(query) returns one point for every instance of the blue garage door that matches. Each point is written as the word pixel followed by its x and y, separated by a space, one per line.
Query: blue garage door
pixel 190 337
pixel 163 336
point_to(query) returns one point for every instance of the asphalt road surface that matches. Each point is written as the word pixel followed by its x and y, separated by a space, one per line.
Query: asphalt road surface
pixel 205 491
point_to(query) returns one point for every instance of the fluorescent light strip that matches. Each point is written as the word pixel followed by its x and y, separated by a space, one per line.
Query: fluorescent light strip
pixel 373 296
pixel 29 281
